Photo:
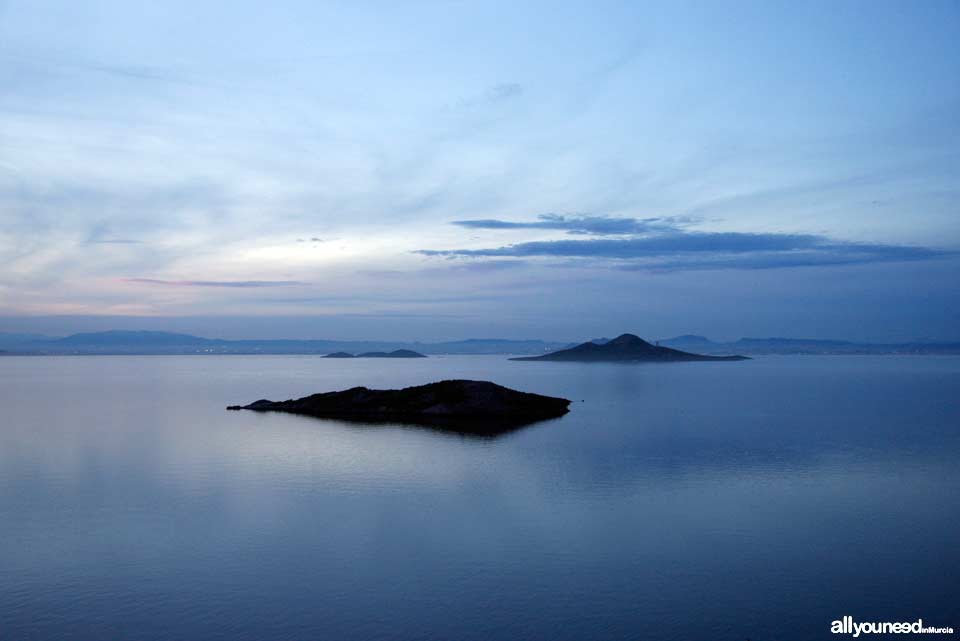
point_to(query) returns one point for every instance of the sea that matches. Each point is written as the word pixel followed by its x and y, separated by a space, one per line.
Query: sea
pixel 758 500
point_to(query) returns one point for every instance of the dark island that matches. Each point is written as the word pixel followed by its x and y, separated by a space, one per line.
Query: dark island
pixel 397 353
pixel 626 348
pixel 477 407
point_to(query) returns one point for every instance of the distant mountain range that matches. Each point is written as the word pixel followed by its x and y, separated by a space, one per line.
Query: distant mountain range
pixel 149 342
pixel 759 346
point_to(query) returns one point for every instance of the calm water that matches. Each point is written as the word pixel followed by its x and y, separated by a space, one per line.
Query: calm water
pixel 684 501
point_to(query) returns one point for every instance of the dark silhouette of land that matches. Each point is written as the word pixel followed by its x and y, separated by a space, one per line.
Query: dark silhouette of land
pixel 476 407
pixel 397 353
pixel 626 348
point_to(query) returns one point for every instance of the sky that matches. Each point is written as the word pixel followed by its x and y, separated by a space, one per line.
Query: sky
pixel 444 170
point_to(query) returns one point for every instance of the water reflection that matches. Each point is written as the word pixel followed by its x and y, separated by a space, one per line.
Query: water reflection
pixel 669 503
pixel 462 427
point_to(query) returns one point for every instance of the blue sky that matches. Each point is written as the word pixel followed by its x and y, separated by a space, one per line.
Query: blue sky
pixel 452 169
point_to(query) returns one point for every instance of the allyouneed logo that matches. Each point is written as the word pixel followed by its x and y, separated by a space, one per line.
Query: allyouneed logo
pixel 847 625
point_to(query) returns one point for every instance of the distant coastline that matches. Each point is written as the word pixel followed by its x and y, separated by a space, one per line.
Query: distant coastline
pixel 158 343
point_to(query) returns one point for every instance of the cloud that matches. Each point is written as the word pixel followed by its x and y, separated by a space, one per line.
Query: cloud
pixel 100 234
pixel 497 93
pixel 505 90
pixel 679 250
pixel 217 283
pixel 587 225
pixel 776 260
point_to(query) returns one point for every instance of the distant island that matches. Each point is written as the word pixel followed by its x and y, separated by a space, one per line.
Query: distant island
pixel 626 348
pixel 397 353
pixel 478 407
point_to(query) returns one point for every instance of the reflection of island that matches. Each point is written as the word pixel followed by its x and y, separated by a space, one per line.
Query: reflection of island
pixel 476 407
pixel 625 348
pixel 397 353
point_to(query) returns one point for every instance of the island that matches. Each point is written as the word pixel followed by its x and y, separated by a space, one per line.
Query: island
pixel 397 353
pixel 474 407
pixel 626 348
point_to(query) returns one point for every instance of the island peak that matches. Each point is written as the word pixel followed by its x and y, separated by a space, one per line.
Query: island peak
pixel 626 348
pixel 627 339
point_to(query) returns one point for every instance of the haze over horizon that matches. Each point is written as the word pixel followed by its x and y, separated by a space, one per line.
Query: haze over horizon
pixel 439 171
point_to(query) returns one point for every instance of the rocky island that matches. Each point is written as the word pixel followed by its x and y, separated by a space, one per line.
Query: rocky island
pixel 626 348
pixel 397 353
pixel 478 407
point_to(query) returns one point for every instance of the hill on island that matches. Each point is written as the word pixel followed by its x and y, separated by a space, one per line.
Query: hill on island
pixel 397 353
pixel 626 348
